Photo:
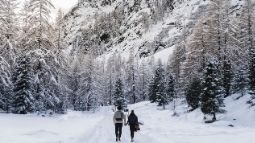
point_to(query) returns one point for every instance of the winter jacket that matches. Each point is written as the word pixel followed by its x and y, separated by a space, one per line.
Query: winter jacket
pixel 119 117
pixel 133 119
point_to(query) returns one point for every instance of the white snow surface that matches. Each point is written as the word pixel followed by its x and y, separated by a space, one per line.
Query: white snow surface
pixel 159 126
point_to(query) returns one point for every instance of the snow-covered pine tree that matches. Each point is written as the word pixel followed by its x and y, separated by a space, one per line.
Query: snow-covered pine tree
pixel 9 30
pixel 8 21
pixel 157 86
pixel 170 94
pixel 241 36
pixel 26 22
pixel 131 73
pixel 118 96
pixel 205 43
pixel 249 19
pixel 176 60
pixel 193 93
pixel 58 29
pixel 99 84
pixel 46 69
pixel 143 81
pixel 5 85
pixel 170 87
pixel 110 80
pixel 41 10
pixel 114 71
pixel 23 100
pixel 89 83
pixel 227 45
pixel 240 81
pixel 8 35
pixel 73 84
pixel 80 83
pixel 212 93
pixel 227 76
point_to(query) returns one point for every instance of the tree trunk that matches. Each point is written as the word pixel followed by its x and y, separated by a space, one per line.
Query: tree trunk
pixel 214 117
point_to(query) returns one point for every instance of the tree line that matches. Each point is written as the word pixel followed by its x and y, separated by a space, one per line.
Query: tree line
pixel 217 59
pixel 37 75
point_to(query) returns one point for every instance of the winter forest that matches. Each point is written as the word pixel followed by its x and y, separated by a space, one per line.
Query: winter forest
pixel 59 64
pixel 179 63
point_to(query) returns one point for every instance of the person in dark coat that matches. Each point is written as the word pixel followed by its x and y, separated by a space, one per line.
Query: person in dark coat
pixel 133 123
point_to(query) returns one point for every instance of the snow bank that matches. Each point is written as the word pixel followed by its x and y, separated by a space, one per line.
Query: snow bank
pixel 36 129
pixel 161 127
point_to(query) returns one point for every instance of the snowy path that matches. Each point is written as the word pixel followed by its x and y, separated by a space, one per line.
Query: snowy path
pixel 104 133
pixel 159 127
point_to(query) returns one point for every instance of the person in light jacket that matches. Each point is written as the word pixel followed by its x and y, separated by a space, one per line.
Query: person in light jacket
pixel 119 119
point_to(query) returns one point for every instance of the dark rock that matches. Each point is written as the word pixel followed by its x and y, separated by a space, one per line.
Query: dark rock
pixel 230 125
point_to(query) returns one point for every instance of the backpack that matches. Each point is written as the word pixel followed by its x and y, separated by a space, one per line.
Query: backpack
pixel 119 116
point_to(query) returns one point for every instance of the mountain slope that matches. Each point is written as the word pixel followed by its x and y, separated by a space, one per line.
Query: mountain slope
pixel 122 26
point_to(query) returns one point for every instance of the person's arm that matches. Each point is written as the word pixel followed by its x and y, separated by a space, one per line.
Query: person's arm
pixel 114 120
pixel 125 120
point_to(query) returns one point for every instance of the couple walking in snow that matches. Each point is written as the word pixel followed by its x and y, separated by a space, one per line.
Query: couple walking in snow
pixel 119 119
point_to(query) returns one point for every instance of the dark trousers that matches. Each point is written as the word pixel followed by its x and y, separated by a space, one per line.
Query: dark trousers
pixel 118 130
pixel 132 130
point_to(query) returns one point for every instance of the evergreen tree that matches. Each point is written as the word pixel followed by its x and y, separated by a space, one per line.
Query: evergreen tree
pixel 193 94
pixel 227 46
pixel 227 77
pixel 110 80
pixel 157 86
pixel 40 17
pixel 8 20
pixel 131 78
pixel 5 84
pixel 46 71
pixel 88 81
pixel 176 60
pixel 240 81
pixel 252 72
pixel 212 95
pixel 143 81
pixel 26 22
pixel 118 97
pixel 170 89
pixel 58 29
pixel 248 21
pixel 23 100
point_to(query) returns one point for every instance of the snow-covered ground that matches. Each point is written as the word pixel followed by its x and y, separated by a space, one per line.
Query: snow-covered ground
pixel 159 126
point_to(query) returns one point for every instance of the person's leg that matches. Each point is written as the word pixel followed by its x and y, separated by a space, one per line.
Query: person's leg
pixel 116 131
pixel 120 130
pixel 132 131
